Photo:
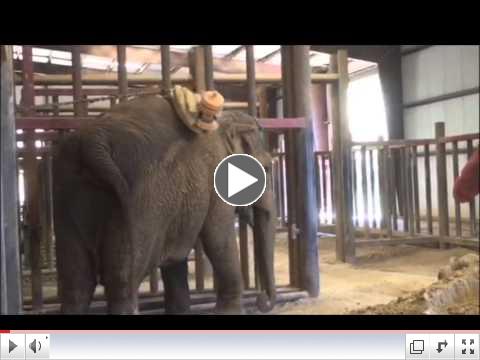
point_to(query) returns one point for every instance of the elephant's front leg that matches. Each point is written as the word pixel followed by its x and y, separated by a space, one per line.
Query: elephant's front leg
pixel 220 247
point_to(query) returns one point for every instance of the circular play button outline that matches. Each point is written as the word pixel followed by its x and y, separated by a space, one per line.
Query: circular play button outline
pixel 226 161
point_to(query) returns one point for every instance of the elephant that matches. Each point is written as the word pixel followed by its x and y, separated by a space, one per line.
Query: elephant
pixel 133 190
pixel 175 276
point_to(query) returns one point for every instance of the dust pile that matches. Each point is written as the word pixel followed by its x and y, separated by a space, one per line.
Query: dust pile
pixel 456 291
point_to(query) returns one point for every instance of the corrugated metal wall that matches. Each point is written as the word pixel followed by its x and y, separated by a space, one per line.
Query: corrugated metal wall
pixel 436 71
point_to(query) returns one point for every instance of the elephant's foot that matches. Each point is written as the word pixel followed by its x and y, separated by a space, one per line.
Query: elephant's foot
pixel 178 311
pixel 122 308
pixel 229 307
pixel 74 309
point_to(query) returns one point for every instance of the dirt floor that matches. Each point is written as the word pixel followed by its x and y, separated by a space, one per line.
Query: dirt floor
pixel 381 275
pixel 384 280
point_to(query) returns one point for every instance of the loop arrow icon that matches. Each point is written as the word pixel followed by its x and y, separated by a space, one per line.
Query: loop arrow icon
pixel 440 347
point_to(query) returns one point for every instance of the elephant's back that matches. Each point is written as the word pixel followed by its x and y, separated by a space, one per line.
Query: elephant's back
pixel 152 115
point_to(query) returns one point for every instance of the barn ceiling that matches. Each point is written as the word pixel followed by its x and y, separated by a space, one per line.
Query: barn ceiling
pixel 146 59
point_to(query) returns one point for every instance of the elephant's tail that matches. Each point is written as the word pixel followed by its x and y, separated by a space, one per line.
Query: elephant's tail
pixel 97 155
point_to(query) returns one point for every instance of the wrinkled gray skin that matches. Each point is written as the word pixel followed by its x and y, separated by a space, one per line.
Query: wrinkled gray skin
pixel 175 276
pixel 133 190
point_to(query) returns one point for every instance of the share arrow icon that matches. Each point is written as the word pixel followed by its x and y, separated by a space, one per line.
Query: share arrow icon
pixel 440 348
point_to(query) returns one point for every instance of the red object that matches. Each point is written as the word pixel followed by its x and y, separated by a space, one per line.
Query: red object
pixel 467 185
pixel 282 123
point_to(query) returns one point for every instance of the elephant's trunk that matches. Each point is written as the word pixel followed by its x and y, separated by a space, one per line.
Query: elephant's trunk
pixel 264 235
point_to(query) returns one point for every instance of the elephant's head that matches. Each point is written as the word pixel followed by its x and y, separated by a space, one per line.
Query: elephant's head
pixel 242 135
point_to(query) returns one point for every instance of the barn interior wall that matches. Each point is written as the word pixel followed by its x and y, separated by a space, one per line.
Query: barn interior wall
pixel 435 71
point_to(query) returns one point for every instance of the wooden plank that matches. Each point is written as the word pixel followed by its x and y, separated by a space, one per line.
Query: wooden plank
pixel 458 217
pixel 409 191
pixel 372 188
pixel 393 182
pixel 417 240
pixel 282 165
pixel 416 195
pixel 355 188
pixel 165 58
pixel 318 183
pixel 465 137
pixel 122 72
pixel 470 243
pixel 324 183
pixel 135 79
pixel 471 204
pixel 332 186
pixel 428 188
pixel 366 220
pixel 50 123
pixel 387 190
pixel 442 189
pixel 403 198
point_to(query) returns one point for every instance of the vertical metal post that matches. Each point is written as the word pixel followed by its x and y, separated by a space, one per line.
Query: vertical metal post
pixel 341 158
pixel 252 110
pixel 290 171
pixel 306 191
pixel 209 67
pixel 197 71
pixel 122 72
pixel 197 68
pixel 166 78
pixel 442 191
pixel 31 181
pixel 251 87
pixel 78 107
pixel 10 274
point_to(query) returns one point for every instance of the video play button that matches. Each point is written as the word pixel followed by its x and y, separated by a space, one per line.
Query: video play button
pixel 239 180
pixel 11 346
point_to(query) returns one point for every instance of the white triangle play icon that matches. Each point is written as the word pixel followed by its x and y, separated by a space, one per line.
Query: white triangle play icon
pixel 238 180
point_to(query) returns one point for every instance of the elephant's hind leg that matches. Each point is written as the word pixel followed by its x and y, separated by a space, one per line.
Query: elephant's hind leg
pixel 220 247
pixel 76 274
pixel 121 294
pixel 175 283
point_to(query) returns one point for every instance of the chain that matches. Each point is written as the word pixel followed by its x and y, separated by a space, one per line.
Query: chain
pixel 89 101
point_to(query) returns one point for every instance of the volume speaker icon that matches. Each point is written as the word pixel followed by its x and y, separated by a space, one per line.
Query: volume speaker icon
pixel 35 346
